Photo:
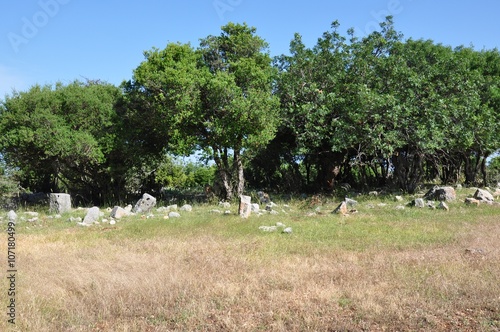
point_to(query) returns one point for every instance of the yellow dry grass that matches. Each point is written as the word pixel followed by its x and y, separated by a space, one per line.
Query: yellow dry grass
pixel 211 282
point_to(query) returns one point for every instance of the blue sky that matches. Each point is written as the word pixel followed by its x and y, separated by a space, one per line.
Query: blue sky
pixel 45 41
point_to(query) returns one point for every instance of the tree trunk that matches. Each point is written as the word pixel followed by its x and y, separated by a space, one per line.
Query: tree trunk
pixel 238 167
pixel 221 160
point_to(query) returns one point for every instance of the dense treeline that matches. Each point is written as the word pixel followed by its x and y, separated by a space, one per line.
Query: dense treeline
pixel 377 111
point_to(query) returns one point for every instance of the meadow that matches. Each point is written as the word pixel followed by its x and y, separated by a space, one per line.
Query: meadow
pixel 380 269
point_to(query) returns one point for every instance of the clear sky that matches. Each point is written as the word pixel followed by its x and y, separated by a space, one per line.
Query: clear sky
pixel 45 41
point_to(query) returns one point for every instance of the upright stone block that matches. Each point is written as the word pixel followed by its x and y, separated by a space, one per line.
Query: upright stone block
pixel 145 204
pixel 60 203
pixel 245 207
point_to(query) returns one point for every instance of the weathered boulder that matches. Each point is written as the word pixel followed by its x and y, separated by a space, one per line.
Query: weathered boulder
pixel 12 216
pixel 418 202
pixel 186 208
pixel 59 203
pixel 470 200
pixel 484 196
pixel 92 216
pixel 441 194
pixel 145 204
pixel 443 206
pixel 118 212
pixel 341 209
pixel 245 207
pixel 174 214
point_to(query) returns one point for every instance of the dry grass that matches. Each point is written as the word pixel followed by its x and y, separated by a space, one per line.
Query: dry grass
pixel 202 277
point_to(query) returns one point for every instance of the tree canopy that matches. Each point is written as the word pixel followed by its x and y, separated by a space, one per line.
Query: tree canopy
pixel 377 111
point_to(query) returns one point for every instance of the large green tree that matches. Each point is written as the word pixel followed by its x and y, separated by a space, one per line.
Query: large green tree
pixel 217 99
pixel 65 138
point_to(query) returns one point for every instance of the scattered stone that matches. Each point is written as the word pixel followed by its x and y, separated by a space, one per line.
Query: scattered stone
pixel 172 207
pixel 12 216
pixel 165 216
pixel 443 206
pixel 341 209
pixel 496 194
pixel 245 207
pixel 400 207
pixel 268 228
pixel 484 196
pixel 441 194
pixel 60 203
pixel 31 214
pixel 75 219
pixel 105 221
pixel 162 209
pixel 287 230
pixel 381 205
pixel 149 216
pixel 216 211
pixel 350 202
pixel 227 212
pixel 186 208
pixel 373 193
pixel 118 212
pixel 255 208
pixel 398 198
pixel 418 202
pixel 431 205
pixel 263 197
pixel 112 222
pixel 128 208
pixel 32 219
pixel 475 251
pixel 145 204
pixel 173 214
pixel 225 205
pixel 270 206
pixel 280 224
pixel 470 200
pixel 458 186
pixel 274 212
pixel 92 216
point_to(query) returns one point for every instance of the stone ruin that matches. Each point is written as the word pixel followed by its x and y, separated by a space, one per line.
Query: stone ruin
pixel 59 203
pixel 145 204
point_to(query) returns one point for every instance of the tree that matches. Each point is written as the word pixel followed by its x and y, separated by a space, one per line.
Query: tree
pixel 217 99
pixel 65 138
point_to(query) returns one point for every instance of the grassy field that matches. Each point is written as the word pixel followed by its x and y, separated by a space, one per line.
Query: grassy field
pixel 380 269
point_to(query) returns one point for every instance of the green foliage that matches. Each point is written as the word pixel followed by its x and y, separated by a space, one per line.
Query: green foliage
pixel 383 111
pixel 217 99
pixel 175 174
pixel 8 181
pixel 63 137
pixel 494 171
